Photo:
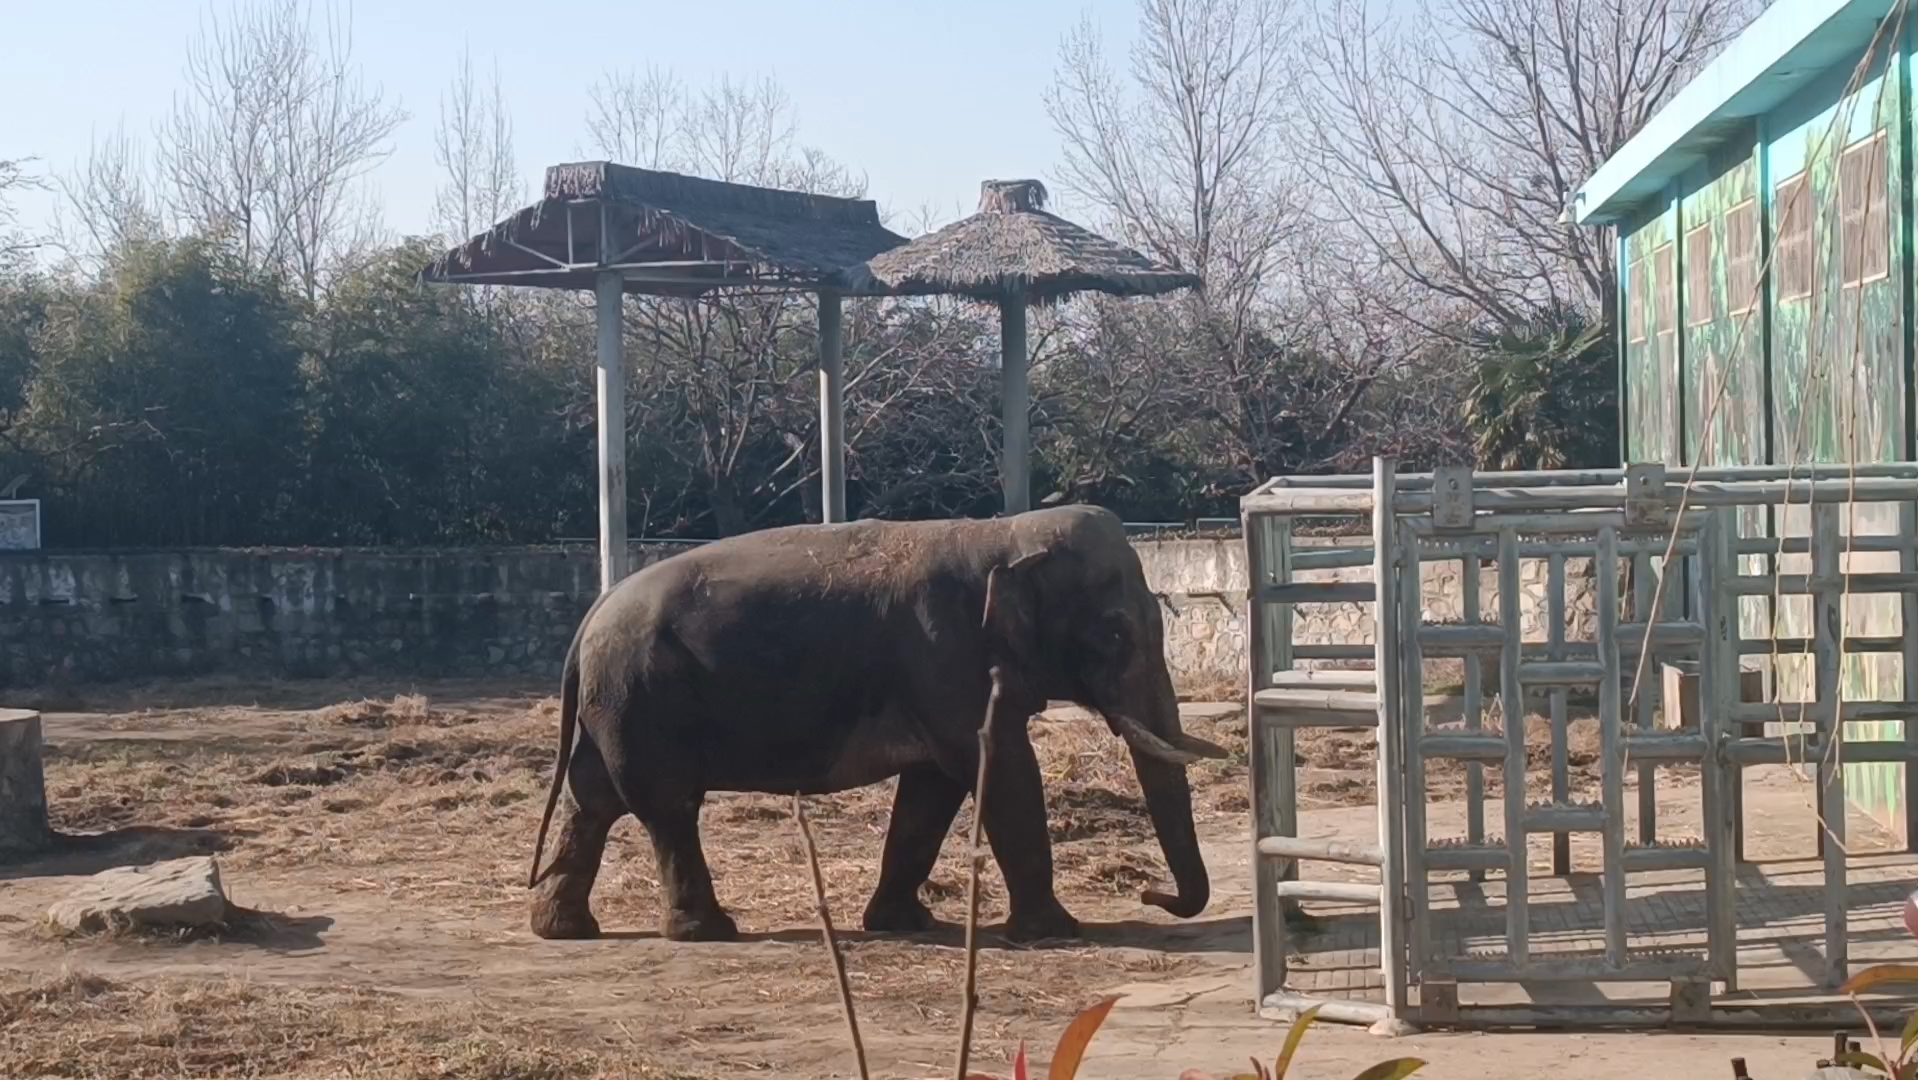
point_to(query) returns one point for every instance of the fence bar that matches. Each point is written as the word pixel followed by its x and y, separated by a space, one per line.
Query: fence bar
pixel 1802 584
pixel 1674 478
pixel 1291 847
pixel 1718 688
pixel 1827 616
pixel 1801 545
pixel 1611 756
pixel 1561 724
pixel 1773 750
pixel 1269 778
pixel 1469 580
pixel 1557 523
pixel 1413 853
pixel 1436 548
pixel 1645 582
pixel 1576 499
pixel 1394 699
pixel 1908 660
pixel 1512 715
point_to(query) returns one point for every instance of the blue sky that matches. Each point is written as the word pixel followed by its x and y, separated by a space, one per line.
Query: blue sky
pixel 926 96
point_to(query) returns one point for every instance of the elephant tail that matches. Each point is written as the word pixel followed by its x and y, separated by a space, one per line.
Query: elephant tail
pixel 568 727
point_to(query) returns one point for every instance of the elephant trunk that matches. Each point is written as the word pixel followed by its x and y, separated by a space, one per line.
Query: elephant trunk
pixel 1160 756
pixel 1168 799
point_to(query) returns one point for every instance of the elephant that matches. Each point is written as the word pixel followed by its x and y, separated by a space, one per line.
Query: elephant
pixel 820 658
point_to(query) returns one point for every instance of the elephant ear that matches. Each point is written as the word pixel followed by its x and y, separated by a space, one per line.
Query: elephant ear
pixel 1012 597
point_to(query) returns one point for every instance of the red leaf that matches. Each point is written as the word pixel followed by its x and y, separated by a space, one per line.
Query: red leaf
pixel 1072 1044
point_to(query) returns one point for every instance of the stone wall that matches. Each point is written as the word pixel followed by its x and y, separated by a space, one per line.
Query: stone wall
pixel 1202 588
pixel 91 616
pixel 76 617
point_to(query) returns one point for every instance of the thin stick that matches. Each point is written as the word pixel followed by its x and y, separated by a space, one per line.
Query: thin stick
pixel 971 1004
pixel 832 943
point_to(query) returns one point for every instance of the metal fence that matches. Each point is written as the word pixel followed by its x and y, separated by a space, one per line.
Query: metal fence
pixel 1768 566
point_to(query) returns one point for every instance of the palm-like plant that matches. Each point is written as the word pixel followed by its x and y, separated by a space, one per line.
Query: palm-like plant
pixel 1546 394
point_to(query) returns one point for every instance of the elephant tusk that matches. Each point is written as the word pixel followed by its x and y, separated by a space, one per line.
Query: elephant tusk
pixel 1145 742
pixel 1192 744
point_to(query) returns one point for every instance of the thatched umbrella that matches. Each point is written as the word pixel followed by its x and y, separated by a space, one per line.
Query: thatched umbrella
pixel 616 229
pixel 1012 253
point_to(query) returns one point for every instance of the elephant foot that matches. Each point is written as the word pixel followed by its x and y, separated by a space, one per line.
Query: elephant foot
pixel 712 925
pixel 899 917
pixel 556 922
pixel 1049 922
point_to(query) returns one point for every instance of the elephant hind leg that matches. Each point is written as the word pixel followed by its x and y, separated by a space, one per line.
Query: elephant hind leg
pixel 588 809
pixel 922 813
pixel 692 908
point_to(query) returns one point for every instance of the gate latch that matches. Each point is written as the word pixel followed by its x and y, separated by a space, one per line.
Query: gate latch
pixel 1452 498
pixel 1645 496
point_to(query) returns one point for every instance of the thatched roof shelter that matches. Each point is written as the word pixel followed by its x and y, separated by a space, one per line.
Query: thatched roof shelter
pixel 1013 253
pixel 667 234
pixel 1013 245
pixel 616 229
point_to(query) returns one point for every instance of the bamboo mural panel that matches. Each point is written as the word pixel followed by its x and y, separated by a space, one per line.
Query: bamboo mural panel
pixel 1838 373
pixel 1727 364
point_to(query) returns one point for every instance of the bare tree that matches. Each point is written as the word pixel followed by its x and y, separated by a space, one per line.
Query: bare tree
pixel 723 383
pixel 1184 153
pixel 1450 140
pixel 274 134
pixel 737 130
pixel 636 118
pixel 110 197
pixel 1190 154
pixel 473 146
pixel 16 175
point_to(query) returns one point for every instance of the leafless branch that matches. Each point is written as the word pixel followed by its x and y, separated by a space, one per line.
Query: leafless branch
pixel 826 934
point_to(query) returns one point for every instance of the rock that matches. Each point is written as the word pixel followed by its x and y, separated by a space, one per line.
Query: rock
pixel 178 894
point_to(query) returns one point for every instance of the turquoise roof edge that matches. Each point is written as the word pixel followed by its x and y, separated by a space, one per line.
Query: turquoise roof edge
pixel 1791 43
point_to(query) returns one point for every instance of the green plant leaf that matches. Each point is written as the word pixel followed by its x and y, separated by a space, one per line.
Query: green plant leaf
pixel 1072 1043
pixel 1292 1040
pixel 1880 975
pixel 1910 1036
pixel 1395 1069
pixel 1857 1061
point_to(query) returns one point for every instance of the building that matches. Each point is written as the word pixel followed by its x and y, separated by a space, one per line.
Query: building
pixel 1764 263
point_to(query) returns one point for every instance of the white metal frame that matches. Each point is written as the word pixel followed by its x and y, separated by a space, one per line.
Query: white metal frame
pixel 1501 518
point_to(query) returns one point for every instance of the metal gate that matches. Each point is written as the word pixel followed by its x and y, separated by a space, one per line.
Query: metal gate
pixel 1445 525
pixel 1455 896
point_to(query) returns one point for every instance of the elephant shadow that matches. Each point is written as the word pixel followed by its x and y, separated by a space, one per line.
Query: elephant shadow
pixel 1230 934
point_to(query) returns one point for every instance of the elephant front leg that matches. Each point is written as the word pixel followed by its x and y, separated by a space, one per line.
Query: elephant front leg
pixel 922 813
pixel 588 809
pixel 1015 821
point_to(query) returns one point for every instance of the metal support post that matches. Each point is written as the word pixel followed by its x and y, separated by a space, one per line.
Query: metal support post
pixel 610 396
pixel 1392 695
pixel 832 410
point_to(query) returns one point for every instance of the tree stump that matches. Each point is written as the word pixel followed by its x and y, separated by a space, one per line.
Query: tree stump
pixel 24 828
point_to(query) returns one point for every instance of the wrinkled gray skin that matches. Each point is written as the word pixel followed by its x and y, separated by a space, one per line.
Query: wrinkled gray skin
pixel 819 658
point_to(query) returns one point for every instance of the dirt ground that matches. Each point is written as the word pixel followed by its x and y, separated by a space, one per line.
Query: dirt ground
pixel 379 836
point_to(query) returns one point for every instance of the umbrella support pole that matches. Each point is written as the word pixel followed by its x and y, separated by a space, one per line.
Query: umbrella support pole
pixel 832 410
pixel 1015 469
pixel 610 395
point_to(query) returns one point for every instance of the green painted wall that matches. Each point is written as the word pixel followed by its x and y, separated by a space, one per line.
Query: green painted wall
pixel 1823 378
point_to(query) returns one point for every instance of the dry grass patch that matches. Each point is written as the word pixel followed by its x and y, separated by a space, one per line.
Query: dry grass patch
pixel 423 809
pixel 82 1025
